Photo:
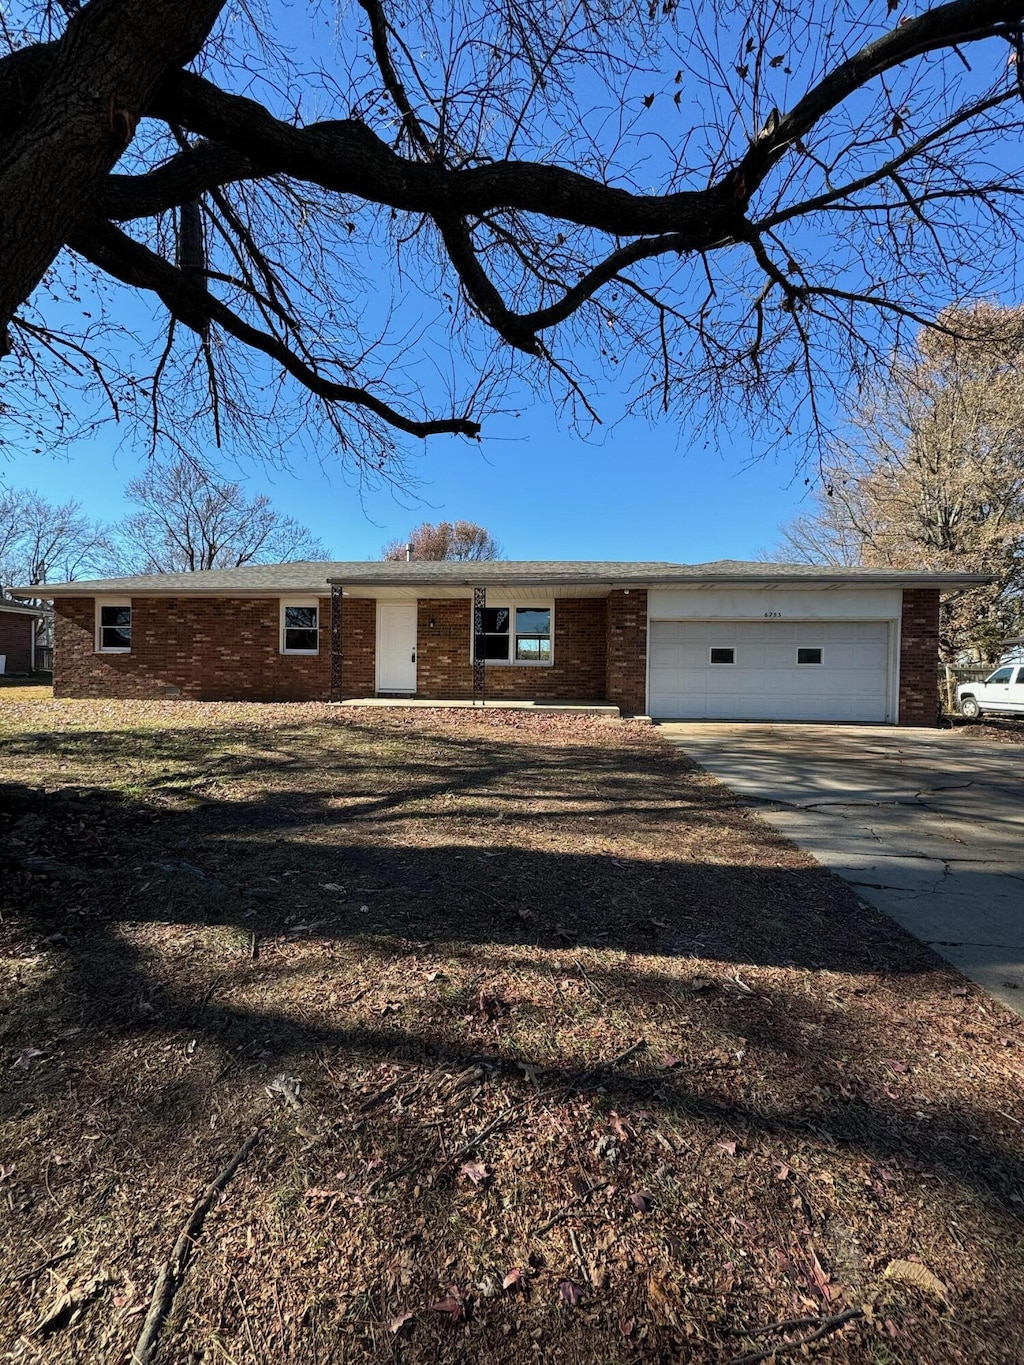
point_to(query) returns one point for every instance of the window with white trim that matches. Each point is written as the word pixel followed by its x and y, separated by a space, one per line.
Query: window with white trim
pixel 300 627
pixel 114 626
pixel 517 634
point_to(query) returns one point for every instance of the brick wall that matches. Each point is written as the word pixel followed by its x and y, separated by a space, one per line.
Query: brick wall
pixel 358 647
pixel 444 660
pixel 220 649
pixel 444 667
pixel 200 648
pixel 626 677
pixel 919 656
pixel 16 640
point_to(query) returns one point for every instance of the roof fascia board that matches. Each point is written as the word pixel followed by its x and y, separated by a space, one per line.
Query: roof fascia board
pixel 323 587
pixel 102 589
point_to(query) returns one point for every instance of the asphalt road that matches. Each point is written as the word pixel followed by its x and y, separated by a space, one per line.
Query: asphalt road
pixel 928 825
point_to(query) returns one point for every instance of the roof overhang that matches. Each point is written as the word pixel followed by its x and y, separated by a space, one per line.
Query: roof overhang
pixel 422 583
pixel 24 608
pixel 773 582
pixel 49 591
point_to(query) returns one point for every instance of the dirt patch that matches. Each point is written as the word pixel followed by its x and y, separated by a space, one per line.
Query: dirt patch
pixel 1001 730
pixel 555 1052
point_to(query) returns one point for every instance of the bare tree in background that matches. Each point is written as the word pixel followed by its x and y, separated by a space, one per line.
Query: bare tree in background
pixel 46 542
pixel 680 202
pixel 188 518
pixel 931 475
pixel 445 540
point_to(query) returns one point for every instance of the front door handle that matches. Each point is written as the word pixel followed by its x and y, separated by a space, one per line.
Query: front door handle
pixel 414 656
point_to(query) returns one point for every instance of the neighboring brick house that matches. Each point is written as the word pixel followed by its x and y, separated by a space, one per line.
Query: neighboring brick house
pixel 721 641
pixel 18 625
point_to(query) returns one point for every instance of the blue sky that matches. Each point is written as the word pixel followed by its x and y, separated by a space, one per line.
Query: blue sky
pixel 640 491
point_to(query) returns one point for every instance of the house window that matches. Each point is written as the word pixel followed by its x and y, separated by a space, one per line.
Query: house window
pixel 520 635
pixel 722 654
pixel 809 655
pixel 533 635
pixel 114 627
pixel 300 627
pixel 497 623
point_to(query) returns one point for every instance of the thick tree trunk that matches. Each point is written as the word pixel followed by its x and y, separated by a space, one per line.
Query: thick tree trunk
pixel 83 115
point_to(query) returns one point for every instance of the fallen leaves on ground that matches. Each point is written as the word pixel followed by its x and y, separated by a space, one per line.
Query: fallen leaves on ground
pixel 454 928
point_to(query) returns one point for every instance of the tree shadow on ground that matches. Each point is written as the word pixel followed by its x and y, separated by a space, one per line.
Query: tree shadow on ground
pixel 382 911
pixel 285 876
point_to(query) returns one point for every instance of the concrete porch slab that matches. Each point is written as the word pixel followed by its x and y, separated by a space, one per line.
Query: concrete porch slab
pixel 570 708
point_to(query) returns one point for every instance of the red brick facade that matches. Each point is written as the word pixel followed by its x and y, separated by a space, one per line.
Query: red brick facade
pixel 219 648
pixel 201 648
pixel 626 646
pixel 358 647
pixel 444 660
pixel 16 640
pixel 444 663
pixel 919 657
pixel 216 649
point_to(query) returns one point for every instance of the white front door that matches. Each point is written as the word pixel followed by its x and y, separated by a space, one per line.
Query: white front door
pixel 396 646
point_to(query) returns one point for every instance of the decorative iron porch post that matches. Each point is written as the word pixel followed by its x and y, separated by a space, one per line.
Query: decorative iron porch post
pixel 479 645
pixel 336 610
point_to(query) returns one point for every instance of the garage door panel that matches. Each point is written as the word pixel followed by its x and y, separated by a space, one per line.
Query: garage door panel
pixel 766 682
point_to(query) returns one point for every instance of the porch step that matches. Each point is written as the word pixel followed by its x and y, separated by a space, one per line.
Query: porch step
pixel 583 708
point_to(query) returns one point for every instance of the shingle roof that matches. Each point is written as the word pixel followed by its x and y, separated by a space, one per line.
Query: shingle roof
pixel 315 576
pixel 22 608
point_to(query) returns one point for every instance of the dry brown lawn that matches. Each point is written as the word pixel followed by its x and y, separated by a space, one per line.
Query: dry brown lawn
pixel 553 1051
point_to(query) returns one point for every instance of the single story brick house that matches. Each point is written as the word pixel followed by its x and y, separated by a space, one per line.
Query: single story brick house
pixel 18 625
pixel 726 640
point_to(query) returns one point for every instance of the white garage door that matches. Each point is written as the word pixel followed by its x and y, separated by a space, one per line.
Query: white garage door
pixel 753 670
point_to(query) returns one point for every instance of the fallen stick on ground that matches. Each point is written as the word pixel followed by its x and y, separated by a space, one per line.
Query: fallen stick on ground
pixel 23 1275
pixel 825 1327
pixel 567 1209
pixel 598 1067
pixel 173 1269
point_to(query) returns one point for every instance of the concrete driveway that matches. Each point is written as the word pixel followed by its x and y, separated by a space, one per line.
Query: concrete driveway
pixel 928 825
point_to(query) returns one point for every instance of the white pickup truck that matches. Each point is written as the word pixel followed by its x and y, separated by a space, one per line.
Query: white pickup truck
pixel 1002 691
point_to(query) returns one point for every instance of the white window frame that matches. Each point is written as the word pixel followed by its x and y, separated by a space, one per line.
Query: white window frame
pixel 721 663
pixel 101 602
pixel 287 602
pixel 511 604
pixel 806 663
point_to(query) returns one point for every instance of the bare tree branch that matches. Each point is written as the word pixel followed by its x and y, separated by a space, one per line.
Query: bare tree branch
pixel 134 264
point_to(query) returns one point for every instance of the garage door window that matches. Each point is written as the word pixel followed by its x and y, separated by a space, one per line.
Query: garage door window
pixel 809 655
pixel 722 654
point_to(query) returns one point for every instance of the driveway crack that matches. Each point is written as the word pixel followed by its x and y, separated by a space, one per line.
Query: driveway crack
pixel 821 805
pixel 969 943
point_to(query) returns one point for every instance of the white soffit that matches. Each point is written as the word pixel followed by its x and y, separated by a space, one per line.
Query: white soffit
pixel 793 604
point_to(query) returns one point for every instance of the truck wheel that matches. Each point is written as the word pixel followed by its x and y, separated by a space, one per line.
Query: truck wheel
pixel 969 708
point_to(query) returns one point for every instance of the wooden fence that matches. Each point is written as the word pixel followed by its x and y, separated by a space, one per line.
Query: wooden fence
pixel 965 672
